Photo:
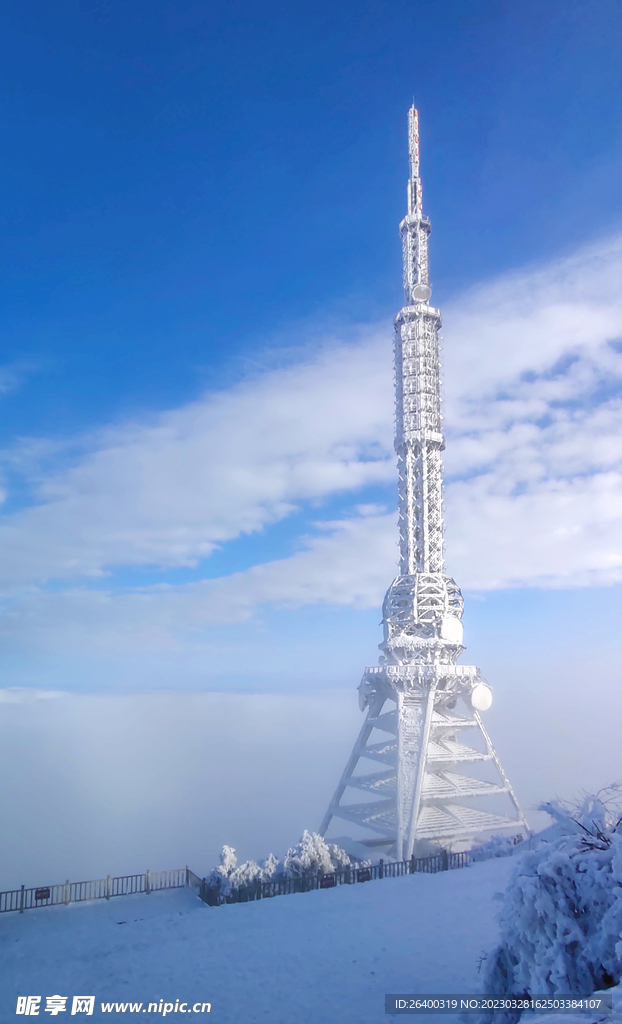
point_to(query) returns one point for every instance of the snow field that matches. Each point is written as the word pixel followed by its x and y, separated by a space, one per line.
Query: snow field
pixel 325 956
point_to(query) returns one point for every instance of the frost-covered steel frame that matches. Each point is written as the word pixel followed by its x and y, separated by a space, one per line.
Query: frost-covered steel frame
pixel 418 700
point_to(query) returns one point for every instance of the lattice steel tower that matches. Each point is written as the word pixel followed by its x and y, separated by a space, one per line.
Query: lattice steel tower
pixel 435 789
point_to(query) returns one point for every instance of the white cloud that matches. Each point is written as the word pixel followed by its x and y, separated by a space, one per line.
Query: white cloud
pixel 526 322
pixel 533 367
pixel 166 493
pixel 328 570
pixel 534 456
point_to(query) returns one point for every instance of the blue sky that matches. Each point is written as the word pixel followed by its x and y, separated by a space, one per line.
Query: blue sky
pixel 200 267
pixel 182 182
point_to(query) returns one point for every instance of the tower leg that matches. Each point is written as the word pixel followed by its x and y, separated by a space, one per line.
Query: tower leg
pixel 495 758
pixel 414 724
pixel 375 707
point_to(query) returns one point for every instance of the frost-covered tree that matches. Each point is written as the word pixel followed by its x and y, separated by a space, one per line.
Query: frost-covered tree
pixel 561 922
pixel 230 875
pixel 496 846
pixel 246 874
pixel 310 857
pixel 220 877
pixel 270 867
pixel 313 856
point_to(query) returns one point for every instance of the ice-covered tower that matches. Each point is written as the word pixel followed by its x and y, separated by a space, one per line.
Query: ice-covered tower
pixel 441 782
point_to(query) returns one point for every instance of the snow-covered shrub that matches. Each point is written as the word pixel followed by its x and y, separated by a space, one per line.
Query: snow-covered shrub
pixel 561 923
pixel 229 875
pixel 219 877
pixel 310 857
pixel 313 856
pixel 497 846
pixel 246 874
pixel 270 867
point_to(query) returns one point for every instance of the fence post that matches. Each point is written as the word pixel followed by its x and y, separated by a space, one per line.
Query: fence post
pixel 381 868
pixel 21 901
pixel 412 864
pixel 108 887
pixel 444 860
pixel 67 892
pixel 147 889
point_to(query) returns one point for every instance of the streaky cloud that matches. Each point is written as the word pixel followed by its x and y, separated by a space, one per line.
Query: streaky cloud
pixel 533 462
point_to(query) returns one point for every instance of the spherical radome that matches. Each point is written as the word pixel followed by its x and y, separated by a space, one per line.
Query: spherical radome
pixel 421 292
pixel 481 697
pixel 451 629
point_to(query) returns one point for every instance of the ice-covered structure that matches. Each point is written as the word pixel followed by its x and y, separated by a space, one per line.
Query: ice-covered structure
pixel 440 781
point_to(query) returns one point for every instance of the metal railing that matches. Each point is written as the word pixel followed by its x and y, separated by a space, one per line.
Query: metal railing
pixel 97 889
pixel 155 881
pixel 443 861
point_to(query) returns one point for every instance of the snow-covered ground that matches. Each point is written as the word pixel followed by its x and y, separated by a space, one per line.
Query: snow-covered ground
pixel 325 957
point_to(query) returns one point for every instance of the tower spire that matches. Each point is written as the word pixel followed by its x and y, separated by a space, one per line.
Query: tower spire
pixel 421 796
pixel 415 205
pixel 415 228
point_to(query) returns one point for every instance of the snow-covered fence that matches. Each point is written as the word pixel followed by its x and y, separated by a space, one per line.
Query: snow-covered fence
pixel 97 889
pixel 258 890
pixel 155 881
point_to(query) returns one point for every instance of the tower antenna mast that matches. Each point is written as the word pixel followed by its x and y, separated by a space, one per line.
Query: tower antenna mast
pixel 442 784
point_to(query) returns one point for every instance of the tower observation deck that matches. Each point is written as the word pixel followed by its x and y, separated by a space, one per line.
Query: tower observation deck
pixel 441 782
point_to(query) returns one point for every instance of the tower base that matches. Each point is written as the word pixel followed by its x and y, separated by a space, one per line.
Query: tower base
pixel 441 783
